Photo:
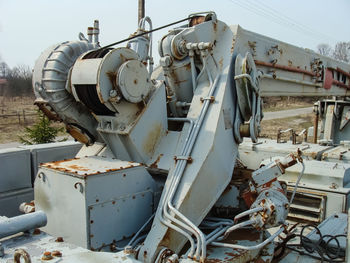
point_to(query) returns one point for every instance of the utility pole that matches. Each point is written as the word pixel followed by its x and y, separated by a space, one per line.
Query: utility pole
pixel 141 13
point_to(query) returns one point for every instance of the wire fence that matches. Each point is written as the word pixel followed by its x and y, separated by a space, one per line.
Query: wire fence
pixel 21 116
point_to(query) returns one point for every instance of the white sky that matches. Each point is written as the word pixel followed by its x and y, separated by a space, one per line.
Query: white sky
pixel 28 27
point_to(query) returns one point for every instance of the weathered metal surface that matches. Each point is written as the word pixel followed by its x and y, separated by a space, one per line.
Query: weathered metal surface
pixel 100 196
pixel 15 169
pixel 42 153
pixel 87 166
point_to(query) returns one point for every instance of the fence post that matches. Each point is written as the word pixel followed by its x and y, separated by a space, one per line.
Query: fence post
pixel 24 117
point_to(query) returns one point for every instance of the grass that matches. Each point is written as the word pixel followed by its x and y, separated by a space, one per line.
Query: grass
pixel 11 128
pixel 285 103
pixel 269 128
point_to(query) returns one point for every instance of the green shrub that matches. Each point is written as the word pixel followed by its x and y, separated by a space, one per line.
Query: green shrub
pixel 41 131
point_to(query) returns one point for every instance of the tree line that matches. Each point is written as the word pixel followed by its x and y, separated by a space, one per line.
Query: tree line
pixel 341 51
pixel 18 81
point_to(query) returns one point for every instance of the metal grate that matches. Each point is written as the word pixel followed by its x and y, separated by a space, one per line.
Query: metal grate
pixel 307 207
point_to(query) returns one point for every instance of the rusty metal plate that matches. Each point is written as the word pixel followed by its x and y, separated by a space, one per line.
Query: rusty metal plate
pixel 86 166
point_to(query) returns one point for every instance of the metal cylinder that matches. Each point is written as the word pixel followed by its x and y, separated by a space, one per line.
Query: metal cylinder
pixel 141 10
pixel 22 223
pixel 96 31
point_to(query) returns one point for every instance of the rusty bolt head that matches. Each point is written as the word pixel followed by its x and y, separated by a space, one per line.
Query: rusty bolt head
pixel 36 231
pixel 59 239
pixel 47 256
pixel 56 253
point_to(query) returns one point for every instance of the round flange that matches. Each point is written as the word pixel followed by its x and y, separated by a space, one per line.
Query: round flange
pixel 133 81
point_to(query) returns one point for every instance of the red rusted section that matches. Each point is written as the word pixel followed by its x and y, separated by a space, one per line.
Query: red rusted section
pixel 196 20
pixel 59 239
pixel 329 79
pixel 36 231
pixel 249 197
pixel 56 253
pixel 47 256
pixel 155 163
pixel 286 68
pixel 340 84
pixel 343 72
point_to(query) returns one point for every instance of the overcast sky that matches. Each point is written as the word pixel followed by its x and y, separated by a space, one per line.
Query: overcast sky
pixel 27 27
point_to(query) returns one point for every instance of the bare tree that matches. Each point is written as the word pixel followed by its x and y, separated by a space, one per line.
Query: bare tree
pixel 324 49
pixel 4 70
pixel 342 51
pixel 20 81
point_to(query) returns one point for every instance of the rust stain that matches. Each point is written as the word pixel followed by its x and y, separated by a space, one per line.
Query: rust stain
pixel 77 167
pixel 221 62
pixel 215 27
pixel 152 138
pixel 196 20
pixel 155 163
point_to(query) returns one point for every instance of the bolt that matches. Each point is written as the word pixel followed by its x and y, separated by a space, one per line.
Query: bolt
pixel 56 253
pixel 59 239
pixel 36 231
pixel 113 93
pixel 46 256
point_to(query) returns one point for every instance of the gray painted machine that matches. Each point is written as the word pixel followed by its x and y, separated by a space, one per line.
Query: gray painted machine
pixel 157 178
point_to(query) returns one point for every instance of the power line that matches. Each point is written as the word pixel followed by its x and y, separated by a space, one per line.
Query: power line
pixel 294 22
pixel 267 14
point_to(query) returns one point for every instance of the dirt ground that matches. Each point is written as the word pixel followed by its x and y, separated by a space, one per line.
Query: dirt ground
pixel 16 113
pixel 12 127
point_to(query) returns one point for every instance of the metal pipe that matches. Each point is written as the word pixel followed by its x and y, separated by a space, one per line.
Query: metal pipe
pixel 297 182
pixel 22 223
pixel 262 244
pixel 248 212
pixel 243 224
pixel 141 10
pixel 301 82
pixel 140 230
pixel 283 67
pixel 316 126
pixel 214 237
pixel 96 31
pixel 193 70
pixel 182 164
pixel 90 31
pixel 164 201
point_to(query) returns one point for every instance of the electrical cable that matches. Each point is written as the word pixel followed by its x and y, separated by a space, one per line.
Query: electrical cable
pixel 326 252
pixel 280 20
pixel 144 33
pixel 268 9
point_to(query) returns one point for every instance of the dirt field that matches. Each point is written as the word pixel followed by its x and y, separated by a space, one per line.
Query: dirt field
pixel 16 113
